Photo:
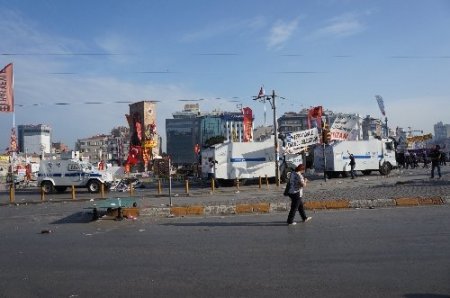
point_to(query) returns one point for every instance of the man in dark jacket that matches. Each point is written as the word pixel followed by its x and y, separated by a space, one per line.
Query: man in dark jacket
pixel 352 165
pixel 435 156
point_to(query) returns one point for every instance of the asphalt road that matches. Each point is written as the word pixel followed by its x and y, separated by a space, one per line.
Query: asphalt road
pixel 386 252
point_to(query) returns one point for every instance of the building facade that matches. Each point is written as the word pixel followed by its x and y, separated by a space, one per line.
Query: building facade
pixel 190 127
pixel 34 139
pixel 182 134
pixel 441 131
pixel 94 149
pixel 371 127
pixel 297 121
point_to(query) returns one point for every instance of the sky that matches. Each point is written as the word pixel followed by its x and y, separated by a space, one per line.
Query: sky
pixel 78 64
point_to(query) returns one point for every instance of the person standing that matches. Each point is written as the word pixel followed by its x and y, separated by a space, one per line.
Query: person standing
pixel 352 165
pixel 435 156
pixel 297 183
pixel 212 172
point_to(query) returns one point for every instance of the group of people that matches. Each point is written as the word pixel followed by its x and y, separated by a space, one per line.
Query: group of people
pixel 436 157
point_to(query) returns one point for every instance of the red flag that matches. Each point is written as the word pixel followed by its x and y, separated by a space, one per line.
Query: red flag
pixel 315 113
pixel 6 89
pixel 261 92
pixel 248 124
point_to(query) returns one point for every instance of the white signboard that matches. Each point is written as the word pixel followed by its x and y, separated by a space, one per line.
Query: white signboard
pixel 298 141
pixel 343 126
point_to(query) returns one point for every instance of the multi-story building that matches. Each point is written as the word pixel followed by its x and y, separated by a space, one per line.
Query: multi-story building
pixel 111 148
pixel 298 121
pixel 441 131
pixel 371 127
pixel 59 147
pixel 182 134
pixel 118 145
pixel 34 139
pixel 94 149
pixel 190 127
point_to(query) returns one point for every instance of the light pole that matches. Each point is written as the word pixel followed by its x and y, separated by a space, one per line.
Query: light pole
pixel 272 100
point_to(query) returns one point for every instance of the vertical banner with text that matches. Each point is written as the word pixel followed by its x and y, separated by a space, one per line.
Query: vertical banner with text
pixel 6 89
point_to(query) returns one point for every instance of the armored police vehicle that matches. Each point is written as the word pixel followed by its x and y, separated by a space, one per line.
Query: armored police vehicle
pixel 59 174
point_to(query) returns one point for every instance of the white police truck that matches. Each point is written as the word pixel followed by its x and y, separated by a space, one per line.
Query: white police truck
pixel 59 174
pixel 238 160
pixel 370 155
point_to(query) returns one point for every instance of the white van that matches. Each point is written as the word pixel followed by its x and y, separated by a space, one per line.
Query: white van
pixel 58 174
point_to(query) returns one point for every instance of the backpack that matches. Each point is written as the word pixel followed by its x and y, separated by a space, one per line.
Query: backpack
pixel 288 186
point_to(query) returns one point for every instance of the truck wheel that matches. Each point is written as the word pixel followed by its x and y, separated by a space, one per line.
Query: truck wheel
pixel 366 172
pixel 385 168
pixel 47 187
pixel 93 186
pixel 60 189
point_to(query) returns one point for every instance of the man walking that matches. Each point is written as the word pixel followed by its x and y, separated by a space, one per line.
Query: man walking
pixel 435 156
pixel 352 165
pixel 297 182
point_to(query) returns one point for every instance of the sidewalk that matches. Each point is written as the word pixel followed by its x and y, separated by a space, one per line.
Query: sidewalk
pixel 401 188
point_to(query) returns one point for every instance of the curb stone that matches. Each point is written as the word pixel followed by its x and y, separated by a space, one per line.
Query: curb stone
pixel 259 208
pixel 372 203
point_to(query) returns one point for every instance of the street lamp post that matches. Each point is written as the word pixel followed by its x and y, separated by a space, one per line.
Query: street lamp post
pixel 272 100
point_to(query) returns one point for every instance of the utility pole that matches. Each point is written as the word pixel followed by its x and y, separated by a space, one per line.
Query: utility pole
pixel 272 101
pixel 277 151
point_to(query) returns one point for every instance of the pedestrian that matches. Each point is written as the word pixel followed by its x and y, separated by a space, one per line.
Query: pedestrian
pixel 443 159
pixel 297 183
pixel 212 171
pixel 352 165
pixel 407 159
pixel 425 159
pixel 435 156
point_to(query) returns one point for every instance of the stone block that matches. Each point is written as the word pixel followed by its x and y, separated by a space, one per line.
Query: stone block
pixel 407 201
pixel 278 207
pixel 244 208
pixel 131 212
pixel 261 207
pixel 431 201
pixel 178 211
pixel 195 210
pixel 220 210
pixel 337 204
pixel 315 205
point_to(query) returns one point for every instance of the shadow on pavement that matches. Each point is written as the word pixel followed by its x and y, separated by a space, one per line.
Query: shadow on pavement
pixel 78 217
pixel 228 224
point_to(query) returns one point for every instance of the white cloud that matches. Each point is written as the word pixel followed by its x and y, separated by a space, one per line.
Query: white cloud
pixel 341 26
pixel 280 33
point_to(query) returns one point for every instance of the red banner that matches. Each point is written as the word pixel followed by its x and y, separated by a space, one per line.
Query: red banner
pixel 248 124
pixel 316 114
pixel 6 89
